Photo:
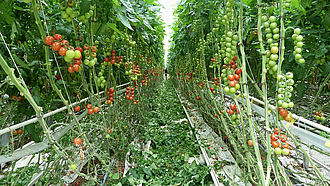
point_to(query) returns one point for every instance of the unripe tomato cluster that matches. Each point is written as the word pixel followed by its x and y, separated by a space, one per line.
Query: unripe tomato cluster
pixel 319 115
pixel 113 60
pixel 90 55
pixel 278 141
pixel 286 3
pixel 298 46
pixel 320 61
pixel 272 36
pixel 110 96
pixel 69 12
pixel 285 88
pixel 133 72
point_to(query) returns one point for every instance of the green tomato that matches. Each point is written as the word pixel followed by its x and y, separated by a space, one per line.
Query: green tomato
pixel 237 86
pixel 26 1
pixel 232 90
pixel 289 75
pixel 70 54
pixel 273 25
pixel 322 118
pixel 272 63
pixel 64 14
pixel 230 34
pixel 289 88
pixel 290 82
pixel 297 31
pixel 297 57
pixel 317 117
pixel 276 30
pixel 280 102
pixel 264 18
pixel 67 59
pixel 280 96
pixel 227 90
pixel 281 90
pixel 276 36
pixel 73 166
pixel 285 152
pixel 278 150
pixel 108 135
pixel 301 61
pixel 274 57
pixel 272 19
pixel 298 50
pixel 69 10
pixel 288 95
pixel 299 38
pixel 291 104
pixel 300 44
pixel 235 37
pixel 77 54
pixel 285 105
pixel 87 15
pixel 266 24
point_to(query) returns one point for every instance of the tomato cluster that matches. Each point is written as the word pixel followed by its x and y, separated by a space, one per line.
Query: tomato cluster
pixel 110 96
pixel 144 80
pixel 234 112
pixel 90 55
pixel 298 46
pixel 201 85
pixel 231 77
pixel 277 140
pixel 69 12
pixel 319 115
pixel 92 110
pixel 16 132
pixel 285 88
pixel 130 93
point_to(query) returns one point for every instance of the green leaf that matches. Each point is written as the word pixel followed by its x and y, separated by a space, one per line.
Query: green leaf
pixel 301 89
pixel 326 19
pixel 145 22
pixel 20 62
pixel 128 5
pixel 147 171
pixel 296 4
pixel 326 69
pixel 114 27
pixel 321 51
pixel 115 2
pixel 84 7
pixel 124 20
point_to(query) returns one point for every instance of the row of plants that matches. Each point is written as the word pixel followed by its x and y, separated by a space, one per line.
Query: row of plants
pixel 172 144
pixel 217 63
pixel 56 53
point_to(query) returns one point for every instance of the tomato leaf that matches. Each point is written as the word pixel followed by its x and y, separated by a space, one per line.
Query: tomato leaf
pixel 321 51
pixel 124 20
pixel 114 27
pixel 115 2
pixel 326 19
pixel 20 62
pixel 84 7
pixel 296 4
pixel 301 89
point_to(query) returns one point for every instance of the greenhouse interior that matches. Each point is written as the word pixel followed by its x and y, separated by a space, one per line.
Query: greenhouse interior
pixel 165 92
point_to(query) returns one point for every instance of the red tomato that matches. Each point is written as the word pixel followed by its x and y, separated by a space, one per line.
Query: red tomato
pixel 236 76
pixel 80 49
pixel 273 137
pixel 62 51
pixel 71 70
pixel 65 42
pixel 58 37
pixel 49 40
pixel 89 106
pixel 250 142
pixel 231 78
pixel 96 109
pixel 231 112
pixel 90 111
pixel 277 131
pixel 77 108
pixel 283 138
pixel 275 144
pixel 238 71
pixel 19 131
pixel 232 84
pixel 56 46
pixel 233 107
pixel 75 67
pixel 77 141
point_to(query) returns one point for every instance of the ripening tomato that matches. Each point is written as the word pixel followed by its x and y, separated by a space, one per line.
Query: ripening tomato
pixel 75 67
pixel 77 108
pixel 231 77
pixel 285 145
pixel 62 51
pixel 232 83
pixel 231 112
pixel 49 40
pixel 108 102
pixel 71 70
pixel 96 109
pixel 283 138
pixel 250 142
pixel 80 49
pixel 93 49
pixel 288 118
pixel 77 141
pixel 78 62
pixel 86 46
pixel 283 113
pixel 273 137
pixel 277 131
pixel 65 42
pixel 275 144
pixel 89 106
pixel 58 37
pixel 56 46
